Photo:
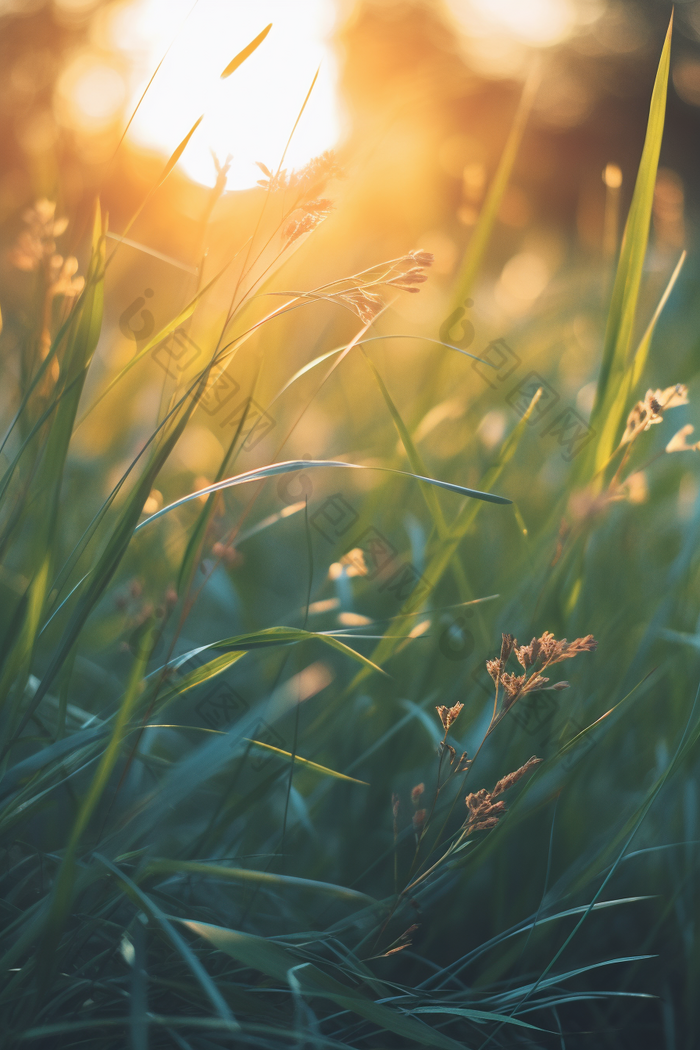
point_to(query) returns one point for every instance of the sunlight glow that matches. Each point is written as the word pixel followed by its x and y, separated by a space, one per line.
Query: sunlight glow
pixel 502 30
pixel 537 22
pixel 250 114
pixel 89 93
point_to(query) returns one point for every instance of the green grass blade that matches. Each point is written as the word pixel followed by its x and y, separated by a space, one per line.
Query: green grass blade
pixel 284 636
pixel 154 912
pixel 414 458
pixel 473 1015
pixel 625 295
pixel 163 334
pixel 64 887
pixel 276 961
pixel 438 563
pixel 481 236
pixel 109 560
pixel 640 357
pixel 291 466
pixel 246 876
pixel 307 763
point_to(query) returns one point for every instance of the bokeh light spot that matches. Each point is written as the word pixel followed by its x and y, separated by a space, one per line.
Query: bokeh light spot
pixel 90 93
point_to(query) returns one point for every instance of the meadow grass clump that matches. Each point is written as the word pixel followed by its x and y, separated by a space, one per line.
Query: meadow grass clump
pixel 226 630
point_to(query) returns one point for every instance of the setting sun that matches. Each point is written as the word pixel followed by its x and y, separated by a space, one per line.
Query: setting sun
pixel 249 115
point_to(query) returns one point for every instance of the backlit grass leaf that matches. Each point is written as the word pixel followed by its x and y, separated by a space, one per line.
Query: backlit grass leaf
pixel 608 411
pixel 292 466
pixel 245 53
pixel 479 240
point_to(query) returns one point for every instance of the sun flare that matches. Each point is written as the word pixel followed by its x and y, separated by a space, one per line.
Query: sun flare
pixel 250 114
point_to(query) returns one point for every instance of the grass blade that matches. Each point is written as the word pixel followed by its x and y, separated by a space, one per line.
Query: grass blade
pixel 491 206
pixel 245 53
pixel 273 959
pixel 291 466
pixel 245 876
pixel 623 305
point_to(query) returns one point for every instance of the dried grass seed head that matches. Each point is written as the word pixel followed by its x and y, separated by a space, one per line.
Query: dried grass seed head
pixel 549 650
pixel 365 304
pixel 508 643
pixel 679 442
pixel 419 257
pixel 307 180
pixel 650 411
pixel 36 243
pixel 494 668
pixel 448 715
pixel 512 778
pixel 62 279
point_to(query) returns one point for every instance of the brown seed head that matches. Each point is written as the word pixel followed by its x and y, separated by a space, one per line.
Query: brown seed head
pixel 484 825
pixel 494 668
pixel 513 684
pixel 482 808
pixel 416 793
pixel 549 650
pixel 508 643
pixel 448 715
pixel 512 778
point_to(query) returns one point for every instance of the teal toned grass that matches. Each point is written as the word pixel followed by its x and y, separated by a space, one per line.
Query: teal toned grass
pixel 217 728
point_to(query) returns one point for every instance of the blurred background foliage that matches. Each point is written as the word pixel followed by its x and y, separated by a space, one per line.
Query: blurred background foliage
pixel 426 93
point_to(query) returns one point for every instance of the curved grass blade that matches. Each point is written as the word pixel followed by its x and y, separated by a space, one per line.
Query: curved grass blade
pixel 273 959
pixel 169 165
pixel 55 752
pixel 373 339
pixel 294 465
pixel 307 763
pixel 640 358
pixel 153 911
pixel 245 876
pixel 158 338
pixel 455 968
pixel 438 564
pixel 270 636
pixel 473 1015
